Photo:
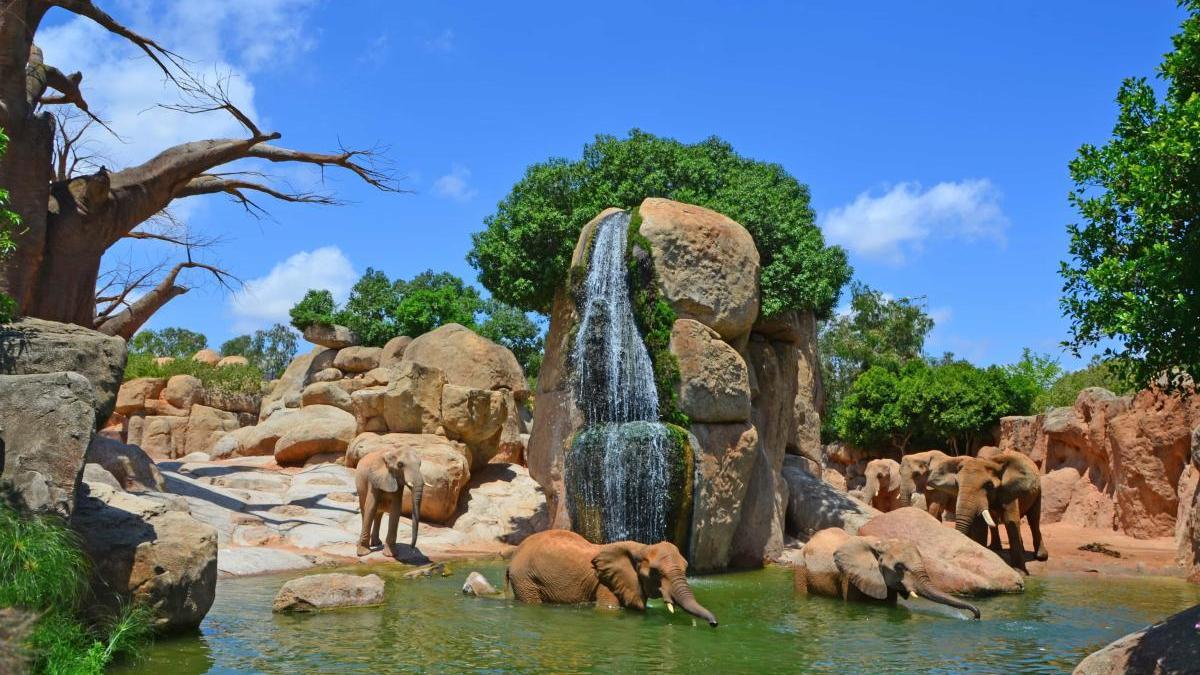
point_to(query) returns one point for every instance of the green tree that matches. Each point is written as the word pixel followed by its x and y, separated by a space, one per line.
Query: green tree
pixel 1134 275
pixel 524 250
pixel 316 307
pixel 370 311
pixel 9 221
pixel 433 299
pixel 512 328
pixel 1098 373
pixel 179 343
pixel 877 331
pixel 1031 377
pixel 269 350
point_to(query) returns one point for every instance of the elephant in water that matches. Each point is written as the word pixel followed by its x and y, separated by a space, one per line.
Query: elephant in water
pixel 882 490
pixel 381 477
pixel 1006 487
pixel 478 585
pixel 559 566
pixel 840 565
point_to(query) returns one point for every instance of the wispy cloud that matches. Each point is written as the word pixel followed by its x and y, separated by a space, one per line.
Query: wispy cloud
pixel 894 225
pixel 267 299
pixel 442 42
pixel 454 185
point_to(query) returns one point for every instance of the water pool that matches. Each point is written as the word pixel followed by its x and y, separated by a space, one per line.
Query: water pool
pixel 426 624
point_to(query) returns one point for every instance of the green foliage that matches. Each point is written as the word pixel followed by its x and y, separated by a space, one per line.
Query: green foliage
pixel 1133 276
pixel 226 379
pixel 524 251
pixel 316 307
pixel 512 328
pixel 654 317
pixel 9 221
pixel 1099 373
pixel 179 343
pixel 953 405
pixel 43 570
pixel 877 331
pixel 269 350
pixel 371 309
pixel 435 299
pixel 1031 377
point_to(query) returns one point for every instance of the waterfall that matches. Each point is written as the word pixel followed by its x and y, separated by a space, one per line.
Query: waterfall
pixel 617 466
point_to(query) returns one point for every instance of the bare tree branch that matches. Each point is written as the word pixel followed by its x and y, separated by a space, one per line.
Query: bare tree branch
pixel 208 184
pixel 139 311
pixel 157 53
pixel 369 172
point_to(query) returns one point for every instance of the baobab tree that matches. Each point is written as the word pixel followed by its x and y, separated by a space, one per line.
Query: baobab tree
pixel 69 221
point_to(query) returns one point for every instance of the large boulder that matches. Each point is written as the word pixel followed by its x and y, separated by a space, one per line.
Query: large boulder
pixel 289 387
pixel 233 360
pixel 36 347
pixel 208 357
pixel 183 391
pixel 393 351
pixel 413 401
pixel 955 563
pixel 162 436
pixel 205 426
pixel 502 503
pixel 329 591
pixel 133 394
pixel 330 336
pixel 326 393
pixel 314 430
pixel 46 423
pixel 1169 646
pixel 714 385
pixel 150 552
pixel 707 264
pixel 468 359
pixel 445 466
pixel 814 504
pixel 475 417
pixel 258 439
pixel 724 457
pixel 357 359
pixel 129 465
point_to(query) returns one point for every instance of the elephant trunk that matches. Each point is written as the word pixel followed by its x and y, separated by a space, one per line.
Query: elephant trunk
pixel 681 594
pixel 926 589
pixel 871 490
pixel 966 510
pixel 418 489
pixel 907 486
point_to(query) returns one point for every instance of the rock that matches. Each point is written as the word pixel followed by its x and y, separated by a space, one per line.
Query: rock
pixel 195 457
pixel 357 359
pixel 329 591
pixel 468 359
pixel 1169 646
pixel 243 403
pixel 94 473
pixel 183 391
pixel 475 417
pixel 955 563
pixel 706 263
pixel 259 439
pixel 46 423
pixel 163 360
pixel 724 458
pixel 315 429
pixel 233 360
pixel 207 357
pixel 814 505
pixel 237 561
pixel 37 347
pixel 133 394
pixel 714 384
pixel 367 405
pixel 205 426
pixel 331 336
pixel 326 393
pixel 444 464
pixel 129 465
pixel 413 401
pixel 144 552
pixel 327 375
pixel 352 384
pixel 502 503
pixel 377 377
pixel 393 351
pixel 287 390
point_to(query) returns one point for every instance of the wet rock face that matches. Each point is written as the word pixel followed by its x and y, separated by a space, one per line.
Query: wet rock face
pixel 329 591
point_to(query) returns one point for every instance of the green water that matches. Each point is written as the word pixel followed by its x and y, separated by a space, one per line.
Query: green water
pixel 427 624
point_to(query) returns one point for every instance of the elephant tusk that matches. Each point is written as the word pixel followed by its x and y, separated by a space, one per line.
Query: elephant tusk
pixel 428 484
pixel 987 518
pixel 671 607
pixel 913 595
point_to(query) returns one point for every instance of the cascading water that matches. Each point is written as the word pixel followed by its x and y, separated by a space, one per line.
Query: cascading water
pixel 617 468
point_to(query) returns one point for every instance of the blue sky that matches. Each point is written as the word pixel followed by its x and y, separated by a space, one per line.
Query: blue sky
pixel 934 136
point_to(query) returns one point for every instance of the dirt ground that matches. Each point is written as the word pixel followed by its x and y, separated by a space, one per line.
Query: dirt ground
pixel 1154 557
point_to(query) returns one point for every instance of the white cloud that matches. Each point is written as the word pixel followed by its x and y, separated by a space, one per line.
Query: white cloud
pixel 896 224
pixel 266 300
pixel 442 42
pixel 454 185
pixel 941 315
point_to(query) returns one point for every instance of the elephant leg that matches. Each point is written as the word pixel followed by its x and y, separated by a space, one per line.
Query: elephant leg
pixel 369 505
pixel 1012 524
pixel 393 523
pixel 1034 514
pixel 995 544
pixel 375 543
pixel 934 505
pixel 800 579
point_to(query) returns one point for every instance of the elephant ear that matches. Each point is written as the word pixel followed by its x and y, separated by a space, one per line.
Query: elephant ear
pixel 380 475
pixel 856 559
pixel 616 566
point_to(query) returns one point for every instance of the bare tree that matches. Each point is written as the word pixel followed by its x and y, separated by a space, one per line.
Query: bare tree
pixel 70 219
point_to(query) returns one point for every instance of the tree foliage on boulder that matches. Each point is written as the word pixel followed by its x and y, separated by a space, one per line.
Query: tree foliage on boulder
pixel 524 250
pixel 1133 276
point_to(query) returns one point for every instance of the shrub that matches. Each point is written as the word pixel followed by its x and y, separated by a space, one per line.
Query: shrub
pixel 226 379
pixel 316 307
pixel 1065 390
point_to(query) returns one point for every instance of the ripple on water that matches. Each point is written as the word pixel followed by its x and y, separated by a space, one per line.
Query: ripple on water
pixel 426 624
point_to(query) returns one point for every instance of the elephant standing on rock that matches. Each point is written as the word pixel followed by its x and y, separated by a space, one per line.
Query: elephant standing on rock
pixel 559 566
pixel 1005 487
pixel 840 565
pixel 381 477
pixel 882 490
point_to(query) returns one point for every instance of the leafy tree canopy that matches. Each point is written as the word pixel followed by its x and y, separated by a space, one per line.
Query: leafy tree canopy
pixel 524 250
pixel 9 221
pixel 269 350
pixel 180 343
pixel 1134 273
pixel 512 328
pixel 1032 376
pixel 1065 389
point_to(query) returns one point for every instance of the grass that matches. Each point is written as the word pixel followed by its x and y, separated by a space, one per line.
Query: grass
pixel 227 379
pixel 44 574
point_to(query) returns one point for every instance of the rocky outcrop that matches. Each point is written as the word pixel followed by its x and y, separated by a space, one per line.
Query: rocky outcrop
pixel 714 385
pixel 36 347
pixel 208 357
pixel 357 359
pixel 393 351
pixel 814 504
pixel 46 423
pixel 330 336
pixel 445 466
pixel 328 591
pixel 289 387
pixel 148 551
pixel 314 430
pixel 724 455
pixel 1169 646
pixel 413 402
pixel 129 465
pixel 176 416
pixel 1111 462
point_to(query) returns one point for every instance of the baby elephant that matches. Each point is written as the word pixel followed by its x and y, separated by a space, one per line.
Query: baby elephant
pixel 478 585
pixel 380 478
pixel 840 565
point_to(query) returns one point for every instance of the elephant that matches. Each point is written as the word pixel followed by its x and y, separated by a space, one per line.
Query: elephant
pixel 941 484
pixel 381 477
pixel 561 567
pixel 478 585
pixel 836 564
pixel 882 490
pixel 914 472
pixel 1007 485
